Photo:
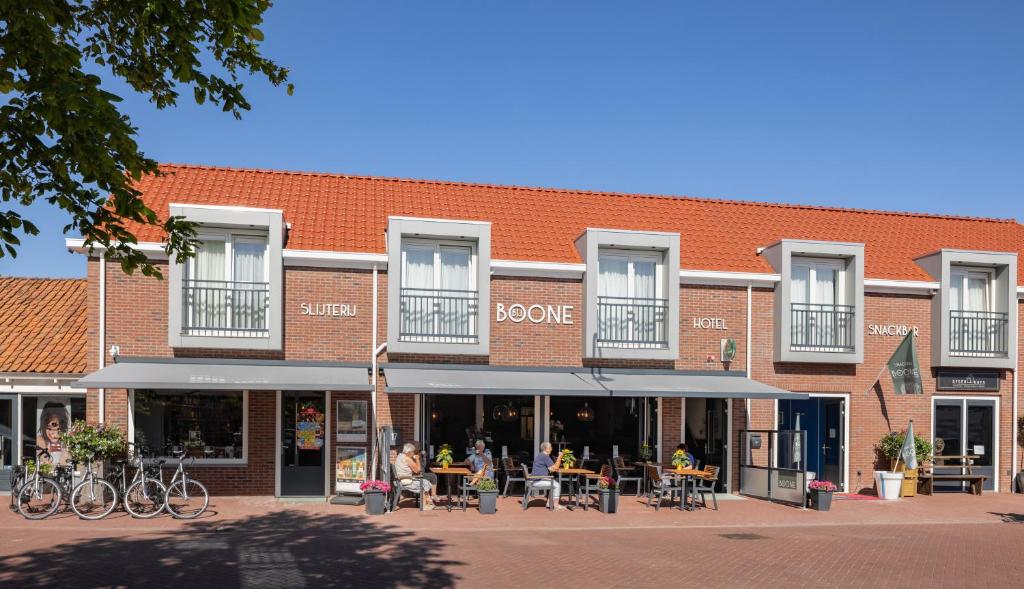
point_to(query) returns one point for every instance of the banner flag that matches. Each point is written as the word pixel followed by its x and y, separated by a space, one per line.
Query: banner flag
pixel 908 452
pixel 904 368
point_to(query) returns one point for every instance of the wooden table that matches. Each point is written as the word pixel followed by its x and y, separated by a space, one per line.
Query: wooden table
pixel 572 473
pixel 451 471
pixel 684 474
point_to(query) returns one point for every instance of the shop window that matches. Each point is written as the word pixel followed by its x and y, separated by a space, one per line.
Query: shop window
pixel 207 425
pixel 43 420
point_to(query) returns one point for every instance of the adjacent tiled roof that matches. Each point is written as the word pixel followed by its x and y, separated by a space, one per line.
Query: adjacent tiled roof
pixel 43 325
pixel 336 212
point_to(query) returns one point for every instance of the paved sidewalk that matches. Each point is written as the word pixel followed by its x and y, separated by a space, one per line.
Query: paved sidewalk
pixel 940 541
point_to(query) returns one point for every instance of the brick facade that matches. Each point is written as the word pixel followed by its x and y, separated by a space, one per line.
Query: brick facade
pixel 136 321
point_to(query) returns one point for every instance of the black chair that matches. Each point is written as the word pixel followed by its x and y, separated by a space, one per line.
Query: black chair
pixel 660 487
pixel 626 474
pixel 397 489
pixel 511 468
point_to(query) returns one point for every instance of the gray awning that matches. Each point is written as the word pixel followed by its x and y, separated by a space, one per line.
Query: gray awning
pixel 233 375
pixel 469 379
pixel 466 379
pixel 721 385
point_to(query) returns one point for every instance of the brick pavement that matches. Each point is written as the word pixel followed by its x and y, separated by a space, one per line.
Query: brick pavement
pixel 941 541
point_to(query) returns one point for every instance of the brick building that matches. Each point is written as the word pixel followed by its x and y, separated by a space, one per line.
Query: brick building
pixel 321 307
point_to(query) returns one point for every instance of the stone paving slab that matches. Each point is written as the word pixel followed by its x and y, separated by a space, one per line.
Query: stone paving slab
pixel 940 541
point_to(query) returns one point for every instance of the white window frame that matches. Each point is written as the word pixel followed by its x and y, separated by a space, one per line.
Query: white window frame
pixel 813 264
pixel 438 245
pixel 243 461
pixel 631 258
pixel 964 274
pixel 229 238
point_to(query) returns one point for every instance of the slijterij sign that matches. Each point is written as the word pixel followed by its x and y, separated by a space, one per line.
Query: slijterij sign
pixel 328 309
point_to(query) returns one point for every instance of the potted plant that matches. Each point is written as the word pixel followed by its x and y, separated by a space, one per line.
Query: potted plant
pixel 45 468
pixel 890 446
pixel 444 456
pixel 487 489
pixel 374 493
pixel 85 442
pixel 645 452
pixel 680 460
pixel 568 458
pixel 608 494
pixel 821 494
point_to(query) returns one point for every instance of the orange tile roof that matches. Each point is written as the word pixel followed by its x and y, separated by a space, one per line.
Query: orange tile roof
pixel 43 325
pixel 337 212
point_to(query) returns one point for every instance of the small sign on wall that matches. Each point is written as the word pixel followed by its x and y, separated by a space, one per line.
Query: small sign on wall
pixel 959 380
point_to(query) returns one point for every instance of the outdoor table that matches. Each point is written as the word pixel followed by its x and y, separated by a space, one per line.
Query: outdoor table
pixel 688 476
pixel 572 473
pixel 449 472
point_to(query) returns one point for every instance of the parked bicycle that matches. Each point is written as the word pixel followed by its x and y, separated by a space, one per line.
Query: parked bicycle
pixel 187 498
pixel 35 494
pixel 144 495
pixel 93 497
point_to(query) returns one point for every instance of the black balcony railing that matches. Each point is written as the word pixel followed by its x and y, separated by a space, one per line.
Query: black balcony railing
pixel 224 308
pixel 439 316
pixel 822 328
pixel 981 334
pixel 630 322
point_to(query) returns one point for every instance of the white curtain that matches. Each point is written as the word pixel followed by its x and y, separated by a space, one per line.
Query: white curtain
pixel 456 308
pixel 981 332
pixel 207 297
pixel 826 325
pixel 977 291
pixel 417 316
pixel 956 290
pixel 613 281
pixel 645 323
pixel 249 293
pixel 800 293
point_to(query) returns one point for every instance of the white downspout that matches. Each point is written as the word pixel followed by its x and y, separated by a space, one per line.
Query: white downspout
pixel 750 339
pixel 377 350
pixel 103 330
pixel 1013 426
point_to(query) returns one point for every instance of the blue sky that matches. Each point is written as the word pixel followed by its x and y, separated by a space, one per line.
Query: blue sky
pixel 893 105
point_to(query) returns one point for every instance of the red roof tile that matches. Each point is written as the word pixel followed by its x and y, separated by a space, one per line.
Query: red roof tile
pixel 43 325
pixel 335 212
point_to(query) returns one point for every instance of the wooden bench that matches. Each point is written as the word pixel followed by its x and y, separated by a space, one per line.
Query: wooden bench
pixel 927 481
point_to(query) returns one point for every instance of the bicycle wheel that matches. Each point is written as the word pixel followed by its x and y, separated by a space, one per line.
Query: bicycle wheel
pixel 187 499
pixel 93 499
pixel 38 500
pixel 146 498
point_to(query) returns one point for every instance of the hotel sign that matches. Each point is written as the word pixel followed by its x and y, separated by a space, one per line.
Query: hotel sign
pixel 709 323
pixel 950 380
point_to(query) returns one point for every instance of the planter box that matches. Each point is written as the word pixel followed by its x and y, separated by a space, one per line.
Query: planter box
pixel 821 500
pixel 375 501
pixel 608 500
pixel 488 502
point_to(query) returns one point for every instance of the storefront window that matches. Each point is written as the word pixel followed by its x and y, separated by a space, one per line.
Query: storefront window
pixel 43 420
pixel 208 425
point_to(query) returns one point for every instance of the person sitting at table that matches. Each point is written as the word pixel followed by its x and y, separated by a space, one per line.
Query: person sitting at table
pixel 689 456
pixel 423 458
pixel 480 463
pixel 407 466
pixel 544 466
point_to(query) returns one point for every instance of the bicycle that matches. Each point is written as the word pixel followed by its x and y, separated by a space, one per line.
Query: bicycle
pixel 93 498
pixel 145 495
pixel 187 498
pixel 38 495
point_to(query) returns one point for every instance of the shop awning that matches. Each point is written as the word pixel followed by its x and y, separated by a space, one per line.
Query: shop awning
pixel 719 385
pixel 233 375
pixel 468 379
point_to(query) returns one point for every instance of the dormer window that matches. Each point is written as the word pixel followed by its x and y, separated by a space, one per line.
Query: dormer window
pixel 631 306
pixel 975 327
pixel 226 287
pixel 439 297
pixel 821 320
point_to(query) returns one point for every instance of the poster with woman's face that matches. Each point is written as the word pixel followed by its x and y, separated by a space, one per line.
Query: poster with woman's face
pixel 53 417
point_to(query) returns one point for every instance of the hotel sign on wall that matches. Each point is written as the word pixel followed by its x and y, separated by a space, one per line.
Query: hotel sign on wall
pixel 717 323
pixel 518 313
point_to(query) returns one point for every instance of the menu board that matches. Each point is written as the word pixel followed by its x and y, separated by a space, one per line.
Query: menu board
pixel 350 465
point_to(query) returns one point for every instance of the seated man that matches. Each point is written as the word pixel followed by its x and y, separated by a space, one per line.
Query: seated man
pixel 407 465
pixel 544 466
pixel 480 463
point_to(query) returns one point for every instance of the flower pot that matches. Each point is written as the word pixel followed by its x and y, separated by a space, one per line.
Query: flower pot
pixel 488 502
pixel 374 502
pixel 821 500
pixel 892 482
pixel 608 500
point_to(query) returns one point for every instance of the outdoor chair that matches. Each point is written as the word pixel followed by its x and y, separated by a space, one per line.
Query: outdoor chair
pixel 660 487
pixel 510 467
pixel 397 489
pixel 530 490
pixel 626 474
pixel 590 485
pixel 706 484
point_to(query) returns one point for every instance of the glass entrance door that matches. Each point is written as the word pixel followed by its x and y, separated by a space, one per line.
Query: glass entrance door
pixel 8 439
pixel 966 427
pixel 303 444
pixel 707 434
